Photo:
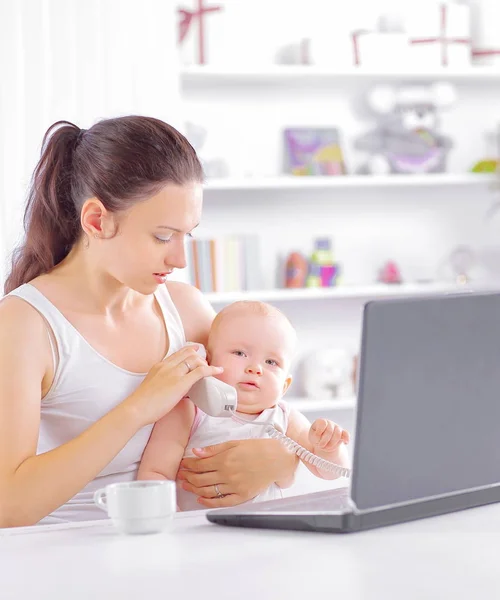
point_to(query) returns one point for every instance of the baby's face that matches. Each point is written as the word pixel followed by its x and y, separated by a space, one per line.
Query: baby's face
pixel 255 351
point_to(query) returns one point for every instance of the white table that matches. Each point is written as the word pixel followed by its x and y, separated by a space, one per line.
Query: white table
pixel 451 557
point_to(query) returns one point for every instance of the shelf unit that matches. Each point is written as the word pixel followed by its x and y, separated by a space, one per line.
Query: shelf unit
pixel 378 290
pixel 329 202
pixel 290 182
pixel 276 74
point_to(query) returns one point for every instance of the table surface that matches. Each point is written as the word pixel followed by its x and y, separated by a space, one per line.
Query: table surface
pixel 450 556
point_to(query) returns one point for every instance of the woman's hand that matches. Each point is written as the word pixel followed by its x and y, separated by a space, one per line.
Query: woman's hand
pixel 167 383
pixel 241 470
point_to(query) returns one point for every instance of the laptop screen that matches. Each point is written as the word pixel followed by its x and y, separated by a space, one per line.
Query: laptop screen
pixel 428 414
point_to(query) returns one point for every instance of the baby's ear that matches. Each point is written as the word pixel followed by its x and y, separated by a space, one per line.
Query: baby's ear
pixel 287 384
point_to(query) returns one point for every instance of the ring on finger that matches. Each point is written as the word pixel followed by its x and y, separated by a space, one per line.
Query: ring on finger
pixel 188 366
pixel 218 493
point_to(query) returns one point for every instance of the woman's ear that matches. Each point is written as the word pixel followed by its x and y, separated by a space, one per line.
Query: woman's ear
pixel 94 218
pixel 91 217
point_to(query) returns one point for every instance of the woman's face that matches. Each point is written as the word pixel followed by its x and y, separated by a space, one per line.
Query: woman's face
pixel 150 239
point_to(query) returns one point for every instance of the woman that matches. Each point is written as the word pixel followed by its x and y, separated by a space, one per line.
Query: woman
pixel 92 338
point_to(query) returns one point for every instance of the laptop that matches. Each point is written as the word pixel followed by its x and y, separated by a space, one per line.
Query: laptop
pixel 427 436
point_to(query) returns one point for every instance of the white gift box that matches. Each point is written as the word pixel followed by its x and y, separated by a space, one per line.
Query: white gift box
pixel 327 51
pixel 380 50
pixel 485 19
pixel 440 34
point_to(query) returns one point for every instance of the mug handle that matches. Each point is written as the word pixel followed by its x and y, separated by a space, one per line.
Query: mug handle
pixel 100 499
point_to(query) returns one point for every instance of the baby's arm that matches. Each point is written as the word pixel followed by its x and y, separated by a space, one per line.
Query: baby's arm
pixel 324 438
pixel 166 445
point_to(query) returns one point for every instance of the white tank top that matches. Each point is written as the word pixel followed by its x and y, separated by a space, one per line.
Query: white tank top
pixel 209 430
pixel 86 386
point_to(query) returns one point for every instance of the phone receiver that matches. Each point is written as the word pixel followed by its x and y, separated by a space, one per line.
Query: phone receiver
pixel 211 395
pixel 214 397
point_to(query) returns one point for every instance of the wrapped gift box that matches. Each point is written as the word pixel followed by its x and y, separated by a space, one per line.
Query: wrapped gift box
pixel 376 49
pixel 195 33
pixel 485 17
pixel 229 32
pixel 440 34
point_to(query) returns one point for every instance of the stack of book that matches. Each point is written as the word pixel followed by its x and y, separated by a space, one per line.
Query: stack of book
pixel 224 264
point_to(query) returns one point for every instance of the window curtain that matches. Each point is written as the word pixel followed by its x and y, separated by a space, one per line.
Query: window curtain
pixel 81 61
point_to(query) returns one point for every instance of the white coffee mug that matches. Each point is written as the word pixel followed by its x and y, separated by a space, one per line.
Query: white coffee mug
pixel 138 506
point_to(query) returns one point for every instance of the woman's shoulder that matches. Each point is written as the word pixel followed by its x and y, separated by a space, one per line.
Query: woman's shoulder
pixel 16 313
pixel 23 332
pixel 194 309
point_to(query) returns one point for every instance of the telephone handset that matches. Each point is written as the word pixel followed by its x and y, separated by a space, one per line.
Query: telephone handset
pixel 219 399
pixel 211 395
pixel 214 397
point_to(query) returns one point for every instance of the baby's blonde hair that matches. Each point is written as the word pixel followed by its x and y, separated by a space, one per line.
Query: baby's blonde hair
pixel 255 307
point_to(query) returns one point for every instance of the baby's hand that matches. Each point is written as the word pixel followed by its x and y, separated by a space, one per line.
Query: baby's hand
pixel 327 435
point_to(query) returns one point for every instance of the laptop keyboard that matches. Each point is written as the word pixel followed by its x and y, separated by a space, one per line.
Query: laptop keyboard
pixel 329 500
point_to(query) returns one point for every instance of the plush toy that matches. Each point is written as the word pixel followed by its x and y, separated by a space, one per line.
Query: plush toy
pixel 406 139
pixel 327 374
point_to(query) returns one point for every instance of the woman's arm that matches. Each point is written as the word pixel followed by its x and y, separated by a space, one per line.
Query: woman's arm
pixel 32 486
pixel 242 469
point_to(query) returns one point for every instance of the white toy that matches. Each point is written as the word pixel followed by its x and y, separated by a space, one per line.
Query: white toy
pixel 214 166
pixel 406 138
pixel 327 374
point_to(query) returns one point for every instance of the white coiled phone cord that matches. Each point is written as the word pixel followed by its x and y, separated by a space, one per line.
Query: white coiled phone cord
pixel 303 454
pixel 300 451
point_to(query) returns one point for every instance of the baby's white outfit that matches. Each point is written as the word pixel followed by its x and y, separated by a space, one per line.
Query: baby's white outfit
pixel 86 387
pixel 207 431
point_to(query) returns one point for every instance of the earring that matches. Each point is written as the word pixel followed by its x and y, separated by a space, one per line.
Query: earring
pixel 97 236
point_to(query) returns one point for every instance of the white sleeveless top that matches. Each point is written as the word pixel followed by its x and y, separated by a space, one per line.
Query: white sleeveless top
pixel 208 430
pixel 86 386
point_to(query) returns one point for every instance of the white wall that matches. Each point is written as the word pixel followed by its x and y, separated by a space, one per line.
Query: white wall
pixel 77 61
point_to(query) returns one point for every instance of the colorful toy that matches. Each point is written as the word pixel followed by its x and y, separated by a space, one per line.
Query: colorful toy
pixel 296 270
pixel 389 273
pixel 323 270
pixel 490 164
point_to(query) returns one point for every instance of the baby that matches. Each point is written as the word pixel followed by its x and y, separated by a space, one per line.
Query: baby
pixel 254 343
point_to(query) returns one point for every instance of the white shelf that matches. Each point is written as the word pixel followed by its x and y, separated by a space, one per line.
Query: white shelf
pixel 208 75
pixel 290 182
pixel 378 290
pixel 306 405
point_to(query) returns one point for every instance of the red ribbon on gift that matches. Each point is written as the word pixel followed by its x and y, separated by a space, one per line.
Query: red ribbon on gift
pixel 188 17
pixel 485 52
pixel 355 43
pixel 442 38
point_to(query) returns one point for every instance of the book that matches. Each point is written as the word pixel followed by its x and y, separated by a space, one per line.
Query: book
pixel 313 151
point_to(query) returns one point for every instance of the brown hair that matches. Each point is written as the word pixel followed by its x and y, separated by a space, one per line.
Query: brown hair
pixel 119 161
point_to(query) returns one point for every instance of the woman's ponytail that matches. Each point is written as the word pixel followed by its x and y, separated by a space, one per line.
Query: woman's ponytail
pixel 51 222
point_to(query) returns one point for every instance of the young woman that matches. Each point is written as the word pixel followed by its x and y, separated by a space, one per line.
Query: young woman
pixel 92 337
